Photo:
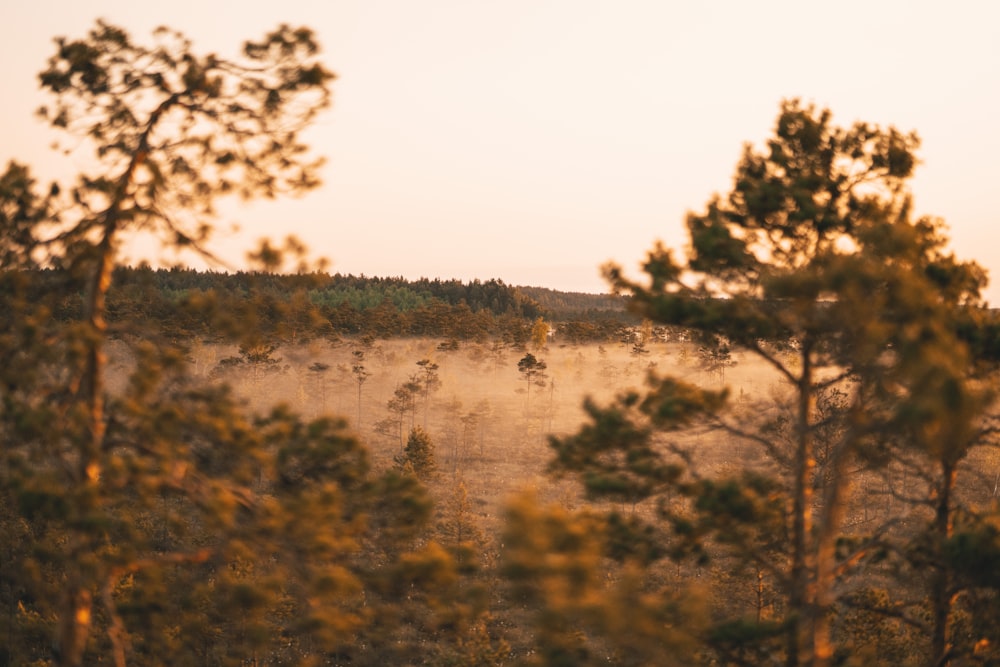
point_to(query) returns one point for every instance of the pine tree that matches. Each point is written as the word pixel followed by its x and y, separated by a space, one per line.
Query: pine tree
pixel 166 520
pixel 532 371
pixel 418 455
pixel 813 265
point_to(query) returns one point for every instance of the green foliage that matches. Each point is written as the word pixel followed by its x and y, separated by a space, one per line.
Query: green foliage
pixel 418 455
pixel 164 520
pixel 532 369
pixel 579 615
pixel 615 456
pixel 370 296
pixel 257 360
pixel 569 306
pixel 812 264
pixel 974 550
pixel 250 517
pixel 22 212
pixel 178 130
pixel 876 634
pixel 429 382
pixel 533 373
pixel 180 303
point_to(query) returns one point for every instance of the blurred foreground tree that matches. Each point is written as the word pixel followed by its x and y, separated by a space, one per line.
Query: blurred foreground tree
pixel 579 613
pixel 156 518
pixel 171 131
pixel 813 265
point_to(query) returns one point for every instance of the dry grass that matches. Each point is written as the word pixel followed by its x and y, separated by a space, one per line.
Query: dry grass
pixel 506 449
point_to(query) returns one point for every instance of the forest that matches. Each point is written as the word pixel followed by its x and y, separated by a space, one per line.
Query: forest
pixel 292 308
pixel 776 447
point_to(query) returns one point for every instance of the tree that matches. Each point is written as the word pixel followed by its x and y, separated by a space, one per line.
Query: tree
pixel 540 333
pixel 318 382
pixel 403 401
pixel 257 357
pixel 418 454
pixel 641 339
pixel 814 248
pixel 555 568
pixel 458 526
pixel 470 425
pixel 361 376
pixel 949 420
pixel 429 382
pixel 532 371
pixel 22 213
pixel 716 356
pixel 165 519
pixel 172 132
pixel 497 353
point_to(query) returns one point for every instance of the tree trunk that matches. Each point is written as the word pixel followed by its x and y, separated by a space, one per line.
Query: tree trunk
pixel 941 597
pixel 77 610
pixel 359 405
pixel 75 623
pixel 74 626
pixel 831 518
pixel 800 597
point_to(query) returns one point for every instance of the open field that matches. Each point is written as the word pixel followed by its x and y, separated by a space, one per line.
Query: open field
pixel 489 427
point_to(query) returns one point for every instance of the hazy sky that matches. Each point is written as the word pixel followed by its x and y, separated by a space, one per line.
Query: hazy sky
pixel 533 140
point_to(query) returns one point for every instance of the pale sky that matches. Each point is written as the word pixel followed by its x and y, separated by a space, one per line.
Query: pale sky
pixel 534 140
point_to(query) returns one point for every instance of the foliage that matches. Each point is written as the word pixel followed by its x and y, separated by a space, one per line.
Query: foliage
pixel 458 526
pixel 165 520
pixel 812 264
pixel 568 306
pixel 532 370
pixel 418 455
pixel 540 334
pixel 179 130
pixel 403 401
pixel 429 382
pixel 580 616
pixel 162 519
pixel 300 307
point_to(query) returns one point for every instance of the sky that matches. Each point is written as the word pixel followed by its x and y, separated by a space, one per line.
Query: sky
pixel 534 140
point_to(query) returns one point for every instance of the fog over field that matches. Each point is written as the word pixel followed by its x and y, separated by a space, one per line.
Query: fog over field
pixel 490 426
pixel 488 423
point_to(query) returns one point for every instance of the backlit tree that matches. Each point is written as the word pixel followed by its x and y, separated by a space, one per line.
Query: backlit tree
pixel 160 519
pixel 814 265
pixel 532 370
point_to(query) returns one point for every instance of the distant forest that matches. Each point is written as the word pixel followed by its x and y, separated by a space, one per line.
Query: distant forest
pixel 292 308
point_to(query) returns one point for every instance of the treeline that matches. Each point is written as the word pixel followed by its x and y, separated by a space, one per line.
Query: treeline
pixel 181 303
pixel 570 306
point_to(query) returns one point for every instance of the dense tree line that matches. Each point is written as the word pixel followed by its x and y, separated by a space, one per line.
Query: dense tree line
pixel 292 308
pixel 360 292
pixel 562 306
